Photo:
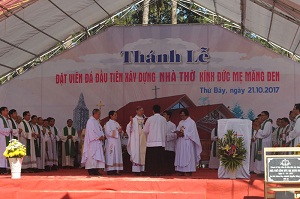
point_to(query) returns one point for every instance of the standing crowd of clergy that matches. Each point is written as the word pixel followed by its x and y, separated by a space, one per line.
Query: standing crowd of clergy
pixel 43 141
pixel 264 134
pixel 155 145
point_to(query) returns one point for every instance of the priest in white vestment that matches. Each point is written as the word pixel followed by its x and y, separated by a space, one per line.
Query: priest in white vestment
pixel 113 147
pixel 293 137
pixel 37 142
pixel 56 142
pixel 5 130
pixel 44 138
pixel 188 147
pixel 171 138
pixel 13 115
pixel 214 161
pixel 263 138
pixel 285 123
pixel 136 146
pixel 69 137
pixel 49 139
pixel 27 138
pixel 93 155
pixel 276 133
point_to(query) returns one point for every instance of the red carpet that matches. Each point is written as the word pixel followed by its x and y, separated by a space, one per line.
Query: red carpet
pixel 74 183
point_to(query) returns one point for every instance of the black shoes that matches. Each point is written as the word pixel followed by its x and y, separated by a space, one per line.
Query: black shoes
pixel 94 172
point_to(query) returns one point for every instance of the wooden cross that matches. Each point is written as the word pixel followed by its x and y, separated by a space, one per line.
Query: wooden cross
pixel 100 105
pixel 155 90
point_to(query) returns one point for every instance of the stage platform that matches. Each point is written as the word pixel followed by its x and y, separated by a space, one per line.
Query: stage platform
pixel 74 183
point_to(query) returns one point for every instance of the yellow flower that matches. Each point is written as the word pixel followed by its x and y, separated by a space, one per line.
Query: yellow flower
pixel 227 147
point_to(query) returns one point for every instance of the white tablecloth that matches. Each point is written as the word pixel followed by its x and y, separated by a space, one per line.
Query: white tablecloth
pixel 243 128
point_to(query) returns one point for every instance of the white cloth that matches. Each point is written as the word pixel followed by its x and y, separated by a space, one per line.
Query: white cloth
pixel 155 130
pixel 266 136
pixel 243 128
pixel 67 160
pixel 295 133
pixel 49 139
pixel 54 139
pixel 113 147
pixel 93 156
pixel 188 148
pixel 214 162
pixel 29 161
pixel 15 131
pixel 41 142
pixel 136 146
pixel 170 136
pixel 3 133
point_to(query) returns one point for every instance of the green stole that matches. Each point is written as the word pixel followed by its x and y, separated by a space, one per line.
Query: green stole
pixel 258 147
pixel 55 130
pixel 13 127
pixel 37 143
pixel 67 148
pixel 215 143
pixel 5 126
pixel 27 140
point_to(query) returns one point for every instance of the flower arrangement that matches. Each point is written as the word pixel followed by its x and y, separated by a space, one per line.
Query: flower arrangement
pixel 15 149
pixel 231 150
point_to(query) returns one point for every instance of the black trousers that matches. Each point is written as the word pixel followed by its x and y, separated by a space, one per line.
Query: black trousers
pixel 169 162
pixel 155 160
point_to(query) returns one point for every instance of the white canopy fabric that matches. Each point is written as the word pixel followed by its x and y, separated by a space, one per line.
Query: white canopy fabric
pixel 276 20
pixel 42 24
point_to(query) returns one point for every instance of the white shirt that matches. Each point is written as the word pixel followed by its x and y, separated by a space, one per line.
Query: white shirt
pixel 155 129
pixel 170 136
pixel 295 132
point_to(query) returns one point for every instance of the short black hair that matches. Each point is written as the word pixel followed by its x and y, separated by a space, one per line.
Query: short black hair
pixel 96 110
pixel 267 113
pixel 69 120
pixel 285 120
pixel 50 119
pixel 156 108
pixel 111 113
pixel 33 116
pixel 3 108
pixel 185 111
pixel 11 111
pixel 138 108
pixel 169 113
pixel 25 113
pixel 297 106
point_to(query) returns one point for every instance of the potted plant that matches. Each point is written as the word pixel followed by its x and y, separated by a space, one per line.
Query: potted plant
pixel 232 152
pixel 15 151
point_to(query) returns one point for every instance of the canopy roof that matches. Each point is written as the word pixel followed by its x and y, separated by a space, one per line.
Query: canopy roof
pixel 28 28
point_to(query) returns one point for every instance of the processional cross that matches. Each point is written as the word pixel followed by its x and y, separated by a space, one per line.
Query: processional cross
pixel 155 90
pixel 100 105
